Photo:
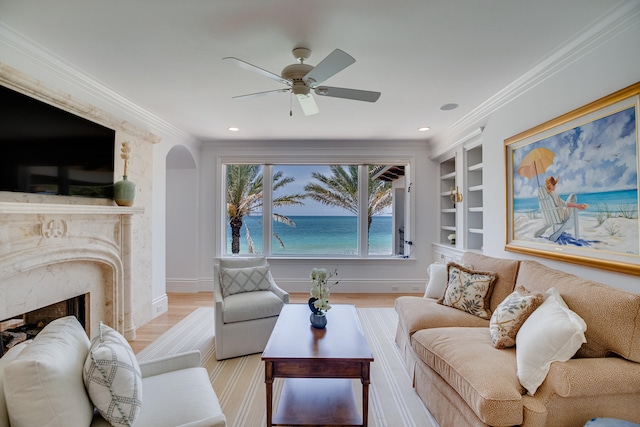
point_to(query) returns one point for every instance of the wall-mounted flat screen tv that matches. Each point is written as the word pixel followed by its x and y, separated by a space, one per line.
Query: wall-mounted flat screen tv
pixel 44 149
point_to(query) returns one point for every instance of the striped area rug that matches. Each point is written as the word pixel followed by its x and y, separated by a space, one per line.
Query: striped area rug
pixel 239 382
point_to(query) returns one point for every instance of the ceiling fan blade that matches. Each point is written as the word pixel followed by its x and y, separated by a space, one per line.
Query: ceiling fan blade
pixel 355 94
pixel 332 64
pixel 250 67
pixel 308 104
pixel 257 94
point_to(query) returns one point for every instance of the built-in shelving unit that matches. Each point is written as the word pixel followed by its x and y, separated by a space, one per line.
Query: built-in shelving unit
pixel 474 209
pixel 461 171
pixel 447 207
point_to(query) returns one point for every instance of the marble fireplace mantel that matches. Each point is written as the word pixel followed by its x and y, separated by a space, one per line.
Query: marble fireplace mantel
pixel 50 252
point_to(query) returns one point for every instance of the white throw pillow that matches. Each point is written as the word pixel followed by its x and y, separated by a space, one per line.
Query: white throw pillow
pixel 249 279
pixel 437 281
pixel 112 378
pixel 552 333
pixel 50 370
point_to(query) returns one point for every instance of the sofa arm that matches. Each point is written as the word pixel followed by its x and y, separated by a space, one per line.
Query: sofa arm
pixel 190 359
pixel 592 377
pixel 217 421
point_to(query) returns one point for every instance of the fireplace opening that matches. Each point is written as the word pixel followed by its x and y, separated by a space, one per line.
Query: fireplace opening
pixel 26 326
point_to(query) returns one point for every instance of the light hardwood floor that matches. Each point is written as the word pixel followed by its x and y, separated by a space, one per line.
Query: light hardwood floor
pixel 181 304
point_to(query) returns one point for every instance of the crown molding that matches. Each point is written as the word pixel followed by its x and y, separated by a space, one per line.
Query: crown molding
pixel 598 33
pixel 35 56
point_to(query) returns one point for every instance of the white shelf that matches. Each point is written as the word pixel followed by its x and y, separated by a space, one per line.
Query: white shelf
pixel 477 209
pixel 476 230
pixel 449 227
pixel 450 175
pixel 476 188
pixel 476 167
pixel 448 210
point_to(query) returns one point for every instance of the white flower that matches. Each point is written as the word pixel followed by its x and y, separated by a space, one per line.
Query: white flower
pixel 320 289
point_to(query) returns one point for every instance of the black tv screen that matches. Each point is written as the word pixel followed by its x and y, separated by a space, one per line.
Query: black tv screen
pixel 44 149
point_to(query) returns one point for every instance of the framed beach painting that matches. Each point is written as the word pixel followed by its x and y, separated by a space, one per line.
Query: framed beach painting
pixel 572 186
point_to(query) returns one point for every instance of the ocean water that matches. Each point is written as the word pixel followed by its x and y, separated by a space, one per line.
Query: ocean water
pixel 596 201
pixel 318 235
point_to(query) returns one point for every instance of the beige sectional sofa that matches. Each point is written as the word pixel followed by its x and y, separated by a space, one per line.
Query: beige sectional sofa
pixel 465 381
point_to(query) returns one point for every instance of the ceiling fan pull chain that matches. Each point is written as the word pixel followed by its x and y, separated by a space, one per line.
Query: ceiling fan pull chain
pixel 290 104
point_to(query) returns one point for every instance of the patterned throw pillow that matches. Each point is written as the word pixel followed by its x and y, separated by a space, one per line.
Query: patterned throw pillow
pixel 469 290
pixel 248 279
pixel 510 314
pixel 112 378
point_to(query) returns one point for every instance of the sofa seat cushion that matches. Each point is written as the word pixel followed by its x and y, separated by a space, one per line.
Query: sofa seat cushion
pixel 482 375
pixel 251 305
pixel 179 397
pixel 416 313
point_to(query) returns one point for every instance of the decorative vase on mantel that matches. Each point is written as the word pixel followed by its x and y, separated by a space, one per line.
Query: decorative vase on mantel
pixel 124 192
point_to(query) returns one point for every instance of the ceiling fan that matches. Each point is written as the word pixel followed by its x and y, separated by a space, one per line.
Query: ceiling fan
pixel 301 78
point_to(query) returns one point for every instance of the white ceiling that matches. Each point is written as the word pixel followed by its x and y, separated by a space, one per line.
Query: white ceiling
pixel 165 56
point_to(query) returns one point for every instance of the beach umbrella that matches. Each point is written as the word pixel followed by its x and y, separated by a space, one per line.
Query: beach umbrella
pixel 535 163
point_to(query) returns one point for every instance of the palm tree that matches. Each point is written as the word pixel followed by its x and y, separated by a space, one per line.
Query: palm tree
pixel 340 189
pixel 244 198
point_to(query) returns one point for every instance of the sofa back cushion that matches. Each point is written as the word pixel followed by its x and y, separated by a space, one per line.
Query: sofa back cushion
pixel 612 315
pixel 506 271
pixel 43 386
pixel 9 356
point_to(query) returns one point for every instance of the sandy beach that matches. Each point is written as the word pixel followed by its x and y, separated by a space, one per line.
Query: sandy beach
pixel 614 234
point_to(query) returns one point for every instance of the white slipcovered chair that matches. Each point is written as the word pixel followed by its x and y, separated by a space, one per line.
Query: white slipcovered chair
pixel 247 304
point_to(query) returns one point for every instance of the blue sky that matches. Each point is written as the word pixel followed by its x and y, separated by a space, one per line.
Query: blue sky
pixel 302 175
pixel 594 157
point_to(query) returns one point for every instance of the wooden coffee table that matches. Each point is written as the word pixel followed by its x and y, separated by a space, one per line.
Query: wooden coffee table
pixel 318 365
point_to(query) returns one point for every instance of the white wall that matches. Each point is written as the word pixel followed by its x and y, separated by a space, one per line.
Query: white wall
pixel 356 275
pixel 613 65
pixel 181 222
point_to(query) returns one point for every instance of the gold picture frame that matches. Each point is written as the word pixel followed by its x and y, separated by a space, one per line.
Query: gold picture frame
pixel 572 186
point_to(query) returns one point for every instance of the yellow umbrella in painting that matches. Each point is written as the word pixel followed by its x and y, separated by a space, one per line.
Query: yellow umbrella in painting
pixel 536 162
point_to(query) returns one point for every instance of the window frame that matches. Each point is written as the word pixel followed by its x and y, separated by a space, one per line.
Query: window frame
pixel 267 162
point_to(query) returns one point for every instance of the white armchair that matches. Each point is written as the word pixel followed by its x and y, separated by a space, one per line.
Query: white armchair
pixel 247 305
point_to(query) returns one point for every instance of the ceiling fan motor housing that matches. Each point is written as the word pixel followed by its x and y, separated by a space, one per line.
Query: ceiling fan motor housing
pixel 294 73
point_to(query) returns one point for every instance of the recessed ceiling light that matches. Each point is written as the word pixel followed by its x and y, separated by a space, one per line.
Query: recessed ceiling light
pixel 233 129
pixel 424 129
pixel 447 107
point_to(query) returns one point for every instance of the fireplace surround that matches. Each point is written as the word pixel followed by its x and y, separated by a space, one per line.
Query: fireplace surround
pixel 50 252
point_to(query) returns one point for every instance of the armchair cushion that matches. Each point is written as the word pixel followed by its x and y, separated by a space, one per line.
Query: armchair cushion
pixel 112 377
pixel 180 398
pixel 247 279
pixel 251 305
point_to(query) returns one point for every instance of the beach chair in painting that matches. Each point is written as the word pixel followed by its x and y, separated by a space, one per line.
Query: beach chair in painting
pixel 554 216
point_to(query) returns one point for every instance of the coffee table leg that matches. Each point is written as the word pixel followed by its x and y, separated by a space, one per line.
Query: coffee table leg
pixel 268 379
pixel 365 394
